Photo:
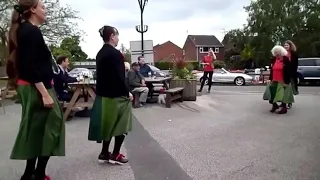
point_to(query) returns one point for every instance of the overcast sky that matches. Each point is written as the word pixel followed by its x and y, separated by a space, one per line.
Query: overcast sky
pixel 167 19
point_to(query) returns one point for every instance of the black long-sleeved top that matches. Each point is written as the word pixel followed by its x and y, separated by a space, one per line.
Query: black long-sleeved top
pixel 34 60
pixel 111 80
pixel 294 63
pixel 286 69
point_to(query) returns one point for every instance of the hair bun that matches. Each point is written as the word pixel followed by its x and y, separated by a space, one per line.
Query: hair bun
pixel 101 31
pixel 18 8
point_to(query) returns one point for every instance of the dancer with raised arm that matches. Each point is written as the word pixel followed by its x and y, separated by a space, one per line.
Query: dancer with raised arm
pixel 42 129
pixel 111 114
pixel 293 58
pixel 208 69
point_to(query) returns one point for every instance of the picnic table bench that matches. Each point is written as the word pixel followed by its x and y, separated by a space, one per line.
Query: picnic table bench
pixel 173 94
pixel 80 87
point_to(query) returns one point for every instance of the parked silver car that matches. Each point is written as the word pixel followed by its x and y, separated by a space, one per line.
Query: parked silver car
pixel 76 72
pixel 224 76
pixel 158 72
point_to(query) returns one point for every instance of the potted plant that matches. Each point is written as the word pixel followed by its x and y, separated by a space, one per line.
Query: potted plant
pixel 183 77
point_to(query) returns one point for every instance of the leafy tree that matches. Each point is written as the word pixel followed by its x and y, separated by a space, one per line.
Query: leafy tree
pixel 126 52
pixel 59 25
pixel 236 39
pixel 235 42
pixel 247 52
pixel 70 47
pixel 272 22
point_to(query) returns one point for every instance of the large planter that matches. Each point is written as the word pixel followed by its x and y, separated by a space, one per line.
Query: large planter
pixel 190 88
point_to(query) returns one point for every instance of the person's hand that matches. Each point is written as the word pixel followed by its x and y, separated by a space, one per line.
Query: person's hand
pixel 47 101
pixel 144 84
pixel 130 96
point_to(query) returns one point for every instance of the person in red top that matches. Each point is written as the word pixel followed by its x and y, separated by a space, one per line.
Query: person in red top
pixel 280 77
pixel 208 69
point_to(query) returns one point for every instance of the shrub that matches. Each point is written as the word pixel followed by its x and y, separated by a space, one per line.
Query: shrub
pixel 182 69
pixel 219 64
pixel 165 65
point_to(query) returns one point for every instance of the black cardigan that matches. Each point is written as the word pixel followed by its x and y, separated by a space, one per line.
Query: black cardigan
pixel 287 70
pixel 111 81
pixel 34 60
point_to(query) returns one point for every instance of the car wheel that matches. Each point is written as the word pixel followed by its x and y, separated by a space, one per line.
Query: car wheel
pixel 239 81
pixel 206 83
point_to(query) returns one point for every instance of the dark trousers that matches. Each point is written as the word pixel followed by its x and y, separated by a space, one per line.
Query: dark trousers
pixel 150 87
pixel 65 96
pixel 205 77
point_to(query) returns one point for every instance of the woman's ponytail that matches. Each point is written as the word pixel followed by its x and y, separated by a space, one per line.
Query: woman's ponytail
pixel 13 44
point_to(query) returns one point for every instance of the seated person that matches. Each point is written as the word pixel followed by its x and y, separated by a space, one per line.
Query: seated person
pixel 127 69
pixel 62 79
pixel 145 70
pixel 137 83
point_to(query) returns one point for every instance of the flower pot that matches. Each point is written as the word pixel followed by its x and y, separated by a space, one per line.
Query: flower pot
pixel 190 88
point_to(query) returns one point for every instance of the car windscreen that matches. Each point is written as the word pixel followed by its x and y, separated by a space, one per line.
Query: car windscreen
pixel 153 68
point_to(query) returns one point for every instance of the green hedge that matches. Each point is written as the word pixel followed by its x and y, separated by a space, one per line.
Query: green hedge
pixel 194 65
pixel 219 64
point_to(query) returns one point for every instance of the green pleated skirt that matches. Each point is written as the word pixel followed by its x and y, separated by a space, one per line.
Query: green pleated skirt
pixel 109 117
pixel 42 130
pixel 278 92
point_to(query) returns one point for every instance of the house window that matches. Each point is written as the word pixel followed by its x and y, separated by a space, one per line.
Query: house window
pixel 216 50
pixel 204 49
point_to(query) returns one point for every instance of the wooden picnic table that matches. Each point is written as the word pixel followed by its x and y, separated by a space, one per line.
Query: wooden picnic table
pixel 6 89
pixel 159 80
pixel 6 92
pixel 85 87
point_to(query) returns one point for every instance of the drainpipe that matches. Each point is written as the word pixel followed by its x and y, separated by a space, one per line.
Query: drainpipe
pixel 197 54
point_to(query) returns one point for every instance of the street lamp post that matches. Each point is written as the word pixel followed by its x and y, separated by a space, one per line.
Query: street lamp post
pixel 142 28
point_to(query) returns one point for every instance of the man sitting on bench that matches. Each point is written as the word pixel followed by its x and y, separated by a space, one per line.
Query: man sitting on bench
pixel 62 79
pixel 137 83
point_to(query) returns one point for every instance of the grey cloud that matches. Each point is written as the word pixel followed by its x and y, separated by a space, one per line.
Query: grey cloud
pixel 125 23
pixel 168 10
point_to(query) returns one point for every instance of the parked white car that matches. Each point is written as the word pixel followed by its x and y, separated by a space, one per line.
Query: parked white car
pixel 224 76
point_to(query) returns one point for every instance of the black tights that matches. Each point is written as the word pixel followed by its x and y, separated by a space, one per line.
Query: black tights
pixel 205 77
pixel 118 141
pixel 39 171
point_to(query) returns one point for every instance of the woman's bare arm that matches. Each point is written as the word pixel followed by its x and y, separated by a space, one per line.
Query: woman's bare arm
pixel 43 91
pixel 214 57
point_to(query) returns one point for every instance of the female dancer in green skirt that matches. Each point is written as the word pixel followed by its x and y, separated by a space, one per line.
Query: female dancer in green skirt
pixel 280 77
pixel 111 114
pixel 293 57
pixel 42 130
